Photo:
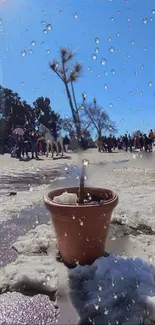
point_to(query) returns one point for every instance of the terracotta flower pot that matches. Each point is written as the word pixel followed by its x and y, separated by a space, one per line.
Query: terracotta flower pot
pixel 81 229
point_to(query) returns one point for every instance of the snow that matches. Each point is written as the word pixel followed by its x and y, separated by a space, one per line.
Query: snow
pixel 66 198
pixel 114 290
pixel 31 273
pixel 36 240
pixel 17 309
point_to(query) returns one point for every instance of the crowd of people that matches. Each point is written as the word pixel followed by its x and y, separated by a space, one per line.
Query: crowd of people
pixel 127 142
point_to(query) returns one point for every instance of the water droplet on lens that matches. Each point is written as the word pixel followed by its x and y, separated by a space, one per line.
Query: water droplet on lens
pixel 48 51
pixel 86 162
pixel 33 43
pixel 7 48
pixel 22 83
pixel 45 31
pixel 111 49
pixel 103 61
pixel 112 18
pixel 97 50
pixel 145 21
pixel 105 87
pixel 109 39
pixel 30 51
pixel 106 73
pixel 113 72
pixel 94 56
pixel 97 41
pixel 111 105
pixel 150 83
pixel 153 11
pixel 118 34
pixel 49 27
pixel 75 15
pixel 23 53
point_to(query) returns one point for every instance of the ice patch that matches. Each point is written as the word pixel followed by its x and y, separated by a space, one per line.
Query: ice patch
pixel 17 309
pixel 30 273
pixel 114 290
pixel 36 241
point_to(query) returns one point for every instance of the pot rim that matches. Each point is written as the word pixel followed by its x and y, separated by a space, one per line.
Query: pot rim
pixel 49 201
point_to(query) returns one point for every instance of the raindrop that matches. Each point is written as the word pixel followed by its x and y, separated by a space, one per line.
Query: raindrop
pixel 150 258
pixel 105 87
pixel 103 61
pixel 75 15
pixel 96 306
pixel 86 162
pixel 113 72
pixel 48 278
pixel 66 168
pixel 109 39
pixel 94 56
pixel 45 31
pixel 130 93
pixel 30 51
pixel 118 34
pixel 99 287
pixel 33 43
pixel 61 12
pixel 49 27
pixel 22 83
pixel 23 53
pixel 7 48
pixel 98 75
pixel 115 296
pixel 145 21
pixel 84 95
pixel 43 43
pixel 150 83
pixel 97 41
pixel 111 49
pixel 106 73
pixel 106 312
pixel 97 50
pixel 31 189
pixel 142 66
pixel 132 42
pixel 111 105
pixel 151 19
pixel 153 11
pixel 122 121
pixel 43 22
pixel 112 18
pixel 145 48
pixel 48 51
pixel 81 223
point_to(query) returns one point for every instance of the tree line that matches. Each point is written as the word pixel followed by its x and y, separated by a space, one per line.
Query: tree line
pixel 85 116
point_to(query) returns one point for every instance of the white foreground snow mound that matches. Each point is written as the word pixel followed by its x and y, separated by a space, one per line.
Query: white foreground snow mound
pixel 114 290
pixel 34 273
pixel 17 309
pixel 36 241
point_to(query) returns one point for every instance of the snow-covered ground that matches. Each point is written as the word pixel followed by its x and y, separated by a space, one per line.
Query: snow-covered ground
pixel 131 176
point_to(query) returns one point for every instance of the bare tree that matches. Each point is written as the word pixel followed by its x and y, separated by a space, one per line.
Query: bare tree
pixel 99 118
pixel 69 72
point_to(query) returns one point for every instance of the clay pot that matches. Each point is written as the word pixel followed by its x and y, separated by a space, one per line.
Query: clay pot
pixel 81 229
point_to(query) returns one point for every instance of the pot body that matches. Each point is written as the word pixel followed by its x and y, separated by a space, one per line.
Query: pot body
pixel 82 230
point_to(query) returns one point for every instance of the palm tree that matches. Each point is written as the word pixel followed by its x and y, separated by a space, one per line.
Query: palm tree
pixel 69 73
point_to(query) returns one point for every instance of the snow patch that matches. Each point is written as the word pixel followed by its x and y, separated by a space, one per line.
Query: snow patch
pixel 114 290
pixel 36 241
pixel 31 273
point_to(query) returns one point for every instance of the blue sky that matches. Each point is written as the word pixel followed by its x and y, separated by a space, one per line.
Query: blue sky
pixel 124 86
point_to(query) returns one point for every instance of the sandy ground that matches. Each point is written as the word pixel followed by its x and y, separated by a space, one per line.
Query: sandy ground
pixel 131 176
